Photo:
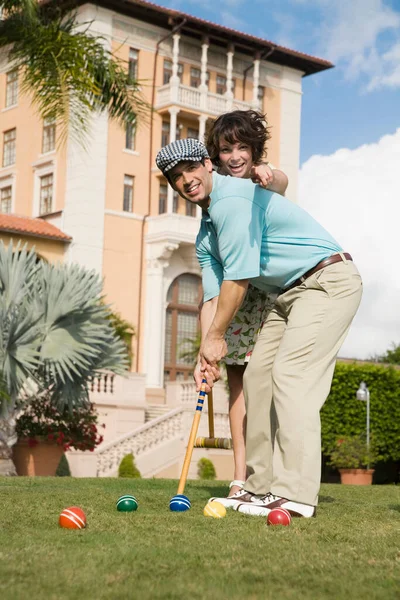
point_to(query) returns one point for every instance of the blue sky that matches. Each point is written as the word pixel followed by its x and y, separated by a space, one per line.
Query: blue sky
pixel 350 135
pixel 356 102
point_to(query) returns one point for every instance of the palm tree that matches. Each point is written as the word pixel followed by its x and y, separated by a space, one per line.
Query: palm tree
pixel 55 335
pixel 68 72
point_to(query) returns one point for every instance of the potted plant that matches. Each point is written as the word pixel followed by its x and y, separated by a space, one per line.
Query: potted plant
pixel 44 434
pixel 351 457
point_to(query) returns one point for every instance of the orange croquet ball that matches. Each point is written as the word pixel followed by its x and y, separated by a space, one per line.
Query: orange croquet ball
pixel 72 517
pixel 279 516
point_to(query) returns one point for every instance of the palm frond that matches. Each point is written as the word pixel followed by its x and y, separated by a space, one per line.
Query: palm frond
pixel 54 328
pixel 17 273
pixel 68 72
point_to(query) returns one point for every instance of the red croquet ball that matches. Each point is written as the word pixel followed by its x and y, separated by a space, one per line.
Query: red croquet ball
pixel 279 516
pixel 72 517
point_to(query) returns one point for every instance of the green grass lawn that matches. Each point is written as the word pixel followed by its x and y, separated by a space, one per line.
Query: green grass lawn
pixel 350 551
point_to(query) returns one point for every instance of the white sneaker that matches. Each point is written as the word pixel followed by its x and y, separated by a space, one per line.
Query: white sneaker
pixel 238 498
pixel 261 508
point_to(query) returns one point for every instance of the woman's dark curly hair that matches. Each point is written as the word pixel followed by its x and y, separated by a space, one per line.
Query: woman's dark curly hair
pixel 247 126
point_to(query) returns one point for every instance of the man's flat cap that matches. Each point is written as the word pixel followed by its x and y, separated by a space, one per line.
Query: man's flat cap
pixel 182 150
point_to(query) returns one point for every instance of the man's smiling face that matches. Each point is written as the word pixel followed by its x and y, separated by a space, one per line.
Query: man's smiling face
pixel 193 181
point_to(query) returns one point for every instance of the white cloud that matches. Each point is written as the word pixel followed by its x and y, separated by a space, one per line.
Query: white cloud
pixel 355 195
pixel 362 37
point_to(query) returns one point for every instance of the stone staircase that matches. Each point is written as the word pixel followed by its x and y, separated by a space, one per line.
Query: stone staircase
pixel 159 444
pixel 154 411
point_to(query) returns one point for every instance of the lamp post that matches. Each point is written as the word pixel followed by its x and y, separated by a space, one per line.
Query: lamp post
pixel 363 395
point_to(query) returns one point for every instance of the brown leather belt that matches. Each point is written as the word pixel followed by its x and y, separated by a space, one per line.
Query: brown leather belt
pixel 331 260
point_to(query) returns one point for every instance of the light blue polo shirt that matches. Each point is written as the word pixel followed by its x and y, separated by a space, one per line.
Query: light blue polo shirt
pixel 252 233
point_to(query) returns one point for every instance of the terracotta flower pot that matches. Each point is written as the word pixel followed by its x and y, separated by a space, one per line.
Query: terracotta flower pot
pixel 356 476
pixel 40 460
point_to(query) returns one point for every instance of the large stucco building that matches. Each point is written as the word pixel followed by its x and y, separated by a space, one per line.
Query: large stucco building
pixel 113 210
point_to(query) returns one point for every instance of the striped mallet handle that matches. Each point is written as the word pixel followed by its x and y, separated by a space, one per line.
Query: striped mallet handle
pixel 192 437
pixel 210 415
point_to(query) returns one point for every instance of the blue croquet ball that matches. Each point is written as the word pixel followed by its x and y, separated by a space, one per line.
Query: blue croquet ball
pixel 127 503
pixel 179 503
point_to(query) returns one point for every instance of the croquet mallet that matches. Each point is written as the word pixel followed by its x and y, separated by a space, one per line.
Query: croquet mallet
pixel 192 437
pixel 201 442
pixel 211 441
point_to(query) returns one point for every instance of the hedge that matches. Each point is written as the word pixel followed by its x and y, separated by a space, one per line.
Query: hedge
pixel 206 469
pixel 344 415
pixel 128 469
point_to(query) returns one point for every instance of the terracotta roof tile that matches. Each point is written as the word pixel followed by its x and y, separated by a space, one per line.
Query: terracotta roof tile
pixel 229 30
pixel 33 227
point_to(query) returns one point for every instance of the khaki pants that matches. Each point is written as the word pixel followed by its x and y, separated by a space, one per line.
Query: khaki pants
pixel 290 374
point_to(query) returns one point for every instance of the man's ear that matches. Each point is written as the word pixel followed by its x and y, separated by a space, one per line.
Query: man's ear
pixel 208 164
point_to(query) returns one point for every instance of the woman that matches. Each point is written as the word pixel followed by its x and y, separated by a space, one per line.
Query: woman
pixel 236 143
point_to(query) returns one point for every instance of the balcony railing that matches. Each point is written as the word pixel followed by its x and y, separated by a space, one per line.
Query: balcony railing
pixel 173 227
pixel 206 102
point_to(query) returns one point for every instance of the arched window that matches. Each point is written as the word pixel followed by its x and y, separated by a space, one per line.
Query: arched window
pixel 182 323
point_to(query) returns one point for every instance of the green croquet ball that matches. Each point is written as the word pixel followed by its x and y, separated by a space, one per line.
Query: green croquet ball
pixel 127 503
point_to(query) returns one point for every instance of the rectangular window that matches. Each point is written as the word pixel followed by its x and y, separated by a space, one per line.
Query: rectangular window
pixel 133 64
pixel 128 193
pixel 165 133
pixel 190 209
pixel 221 85
pixel 162 199
pixel 260 93
pixel 12 88
pixel 175 202
pixel 130 132
pixel 5 199
pixel 193 133
pixel 46 194
pixel 167 72
pixel 187 329
pixel 49 135
pixel 195 77
pixel 9 147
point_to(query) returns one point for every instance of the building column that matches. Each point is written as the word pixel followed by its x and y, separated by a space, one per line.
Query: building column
pixel 202 130
pixel 229 69
pixel 173 114
pixel 85 183
pixel 203 88
pixel 202 126
pixel 256 80
pixel 289 132
pixel 158 256
pixel 174 79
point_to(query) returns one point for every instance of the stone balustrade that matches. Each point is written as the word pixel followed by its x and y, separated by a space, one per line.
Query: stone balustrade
pixel 193 98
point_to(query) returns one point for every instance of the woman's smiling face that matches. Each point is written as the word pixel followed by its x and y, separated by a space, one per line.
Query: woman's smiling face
pixel 236 159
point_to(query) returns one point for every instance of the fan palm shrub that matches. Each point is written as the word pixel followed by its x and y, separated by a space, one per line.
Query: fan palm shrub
pixel 55 335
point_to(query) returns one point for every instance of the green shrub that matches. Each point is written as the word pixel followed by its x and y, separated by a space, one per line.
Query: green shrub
pixel 127 468
pixel 344 416
pixel 63 467
pixel 206 469
pixel 352 453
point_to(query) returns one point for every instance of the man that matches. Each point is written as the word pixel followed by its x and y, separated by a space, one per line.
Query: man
pixel 248 233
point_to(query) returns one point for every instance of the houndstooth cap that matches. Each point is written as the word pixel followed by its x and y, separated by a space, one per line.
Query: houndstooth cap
pixel 179 151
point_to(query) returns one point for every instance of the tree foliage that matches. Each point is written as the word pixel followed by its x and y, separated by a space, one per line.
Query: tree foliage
pixel 125 331
pixel 344 416
pixel 391 356
pixel 65 68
